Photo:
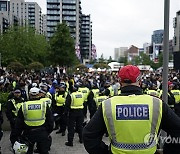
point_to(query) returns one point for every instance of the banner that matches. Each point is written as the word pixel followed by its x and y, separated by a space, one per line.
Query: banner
pixel 77 51
pixel 93 53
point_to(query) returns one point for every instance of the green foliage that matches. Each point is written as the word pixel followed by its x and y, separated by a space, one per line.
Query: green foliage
pixel 123 60
pixel 110 59
pixel 16 67
pixel 63 47
pixel 24 45
pixel 80 68
pixel 92 61
pixel 3 99
pixel 101 59
pixel 101 65
pixel 36 66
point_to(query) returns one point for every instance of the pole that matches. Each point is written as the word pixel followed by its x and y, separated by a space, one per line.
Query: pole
pixel 166 50
pixel 165 59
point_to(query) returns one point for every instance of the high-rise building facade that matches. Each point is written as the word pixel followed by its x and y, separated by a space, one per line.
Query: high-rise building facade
pixel 33 16
pixel 120 53
pixel 53 16
pixel 4 22
pixel 64 10
pixel 19 12
pixel 86 37
pixel 4 5
pixel 157 44
pixel 177 32
pixel 176 41
pixel 44 21
pixel 157 36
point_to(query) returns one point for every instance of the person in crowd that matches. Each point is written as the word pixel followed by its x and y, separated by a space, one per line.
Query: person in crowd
pixel 35 122
pixel 74 111
pixel 60 98
pixel 12 108
pixel 133 120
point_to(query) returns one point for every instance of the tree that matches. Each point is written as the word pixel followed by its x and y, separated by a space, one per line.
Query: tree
pixel 101 59
pixel 101 65
pixel 123 60
pixel 16 67
pixel 36 66
pixel 110 59
pixel 24 45
pixel 63 47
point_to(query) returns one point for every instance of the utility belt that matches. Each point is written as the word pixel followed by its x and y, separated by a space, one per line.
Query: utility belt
pixel 75 110
pixel 37 129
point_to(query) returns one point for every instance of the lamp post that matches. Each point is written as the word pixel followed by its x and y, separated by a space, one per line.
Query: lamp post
pixel 165 59
pixel 166 50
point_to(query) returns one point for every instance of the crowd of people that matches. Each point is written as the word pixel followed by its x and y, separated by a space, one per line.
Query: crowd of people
pixel 39 103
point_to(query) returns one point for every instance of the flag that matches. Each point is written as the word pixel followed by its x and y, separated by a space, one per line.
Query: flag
pixel 93 53
pixel 77 51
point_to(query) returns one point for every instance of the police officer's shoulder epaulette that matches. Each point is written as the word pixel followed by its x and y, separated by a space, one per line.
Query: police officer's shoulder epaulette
pixel 11 100
pixel 154 96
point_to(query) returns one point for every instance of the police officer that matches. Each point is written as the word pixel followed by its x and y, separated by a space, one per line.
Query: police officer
pixel 152 90
pixel 85 91
pixel 74 110
pixel 94 92
pixel 35 122
pixel 13 106
pixel 132 119
pixel 60 98
pixel 168 146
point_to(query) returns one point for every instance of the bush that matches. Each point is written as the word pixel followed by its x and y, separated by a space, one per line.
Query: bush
pixel 15 66
pixel 3 99
pixel 80 68
pixel 101 65
pixel 35 66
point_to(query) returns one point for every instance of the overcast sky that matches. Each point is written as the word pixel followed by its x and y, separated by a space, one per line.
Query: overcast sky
pixel 122 23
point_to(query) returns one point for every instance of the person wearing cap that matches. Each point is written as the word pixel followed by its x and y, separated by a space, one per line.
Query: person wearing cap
pixel 85 90
pixel 45 95
pixel 74 111
pixel 169 147
pixel 59 103
pixel 152 90
pixel 171 98
pixel 133 120
pixel 35 122
pixel 93 94
pixel 13 106
pixel 52 90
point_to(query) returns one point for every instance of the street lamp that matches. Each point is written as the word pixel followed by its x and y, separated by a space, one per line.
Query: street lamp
pixel 166 50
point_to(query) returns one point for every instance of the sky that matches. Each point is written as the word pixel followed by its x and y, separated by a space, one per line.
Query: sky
pixel 122 23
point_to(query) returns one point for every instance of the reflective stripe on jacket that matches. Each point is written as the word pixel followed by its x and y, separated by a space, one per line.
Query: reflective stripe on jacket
pixel 85 92
pixel 60 99
pixel 176 94
pixel 47 100
pixel 100 99
pixel 132 122
pixel 16 106
pixel 77 100
pixel 95 92
pixel 34 112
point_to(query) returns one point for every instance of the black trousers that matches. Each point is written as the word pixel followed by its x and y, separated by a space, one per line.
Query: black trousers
pixel 85 109
pixel 75 121
pixel 41 137
pixel 62 120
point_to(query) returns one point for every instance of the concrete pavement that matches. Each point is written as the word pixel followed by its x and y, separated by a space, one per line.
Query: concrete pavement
pixel 57 147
